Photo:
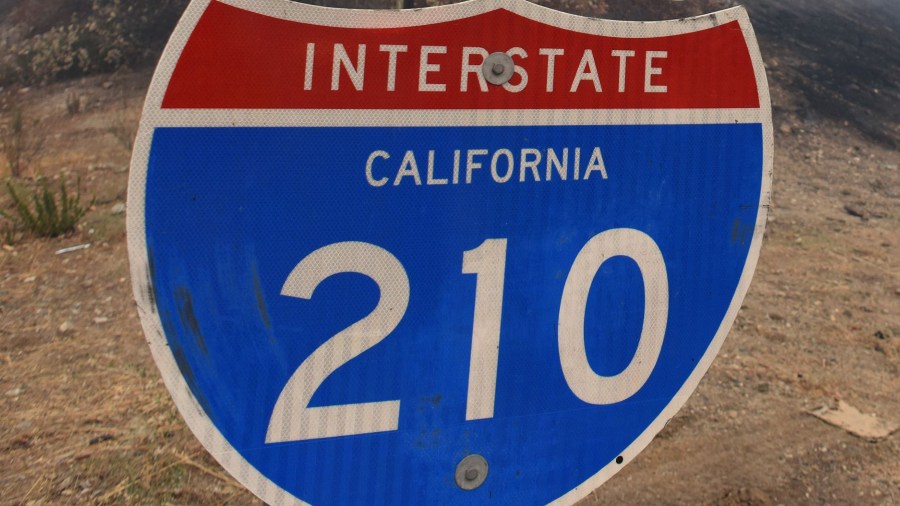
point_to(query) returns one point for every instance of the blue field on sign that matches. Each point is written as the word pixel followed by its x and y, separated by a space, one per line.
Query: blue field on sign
pixel 231 211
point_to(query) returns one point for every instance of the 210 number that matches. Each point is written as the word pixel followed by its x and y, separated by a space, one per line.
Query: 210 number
pixel 488 263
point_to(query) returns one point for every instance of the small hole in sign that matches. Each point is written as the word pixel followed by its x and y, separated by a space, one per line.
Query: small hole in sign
pixel 619 459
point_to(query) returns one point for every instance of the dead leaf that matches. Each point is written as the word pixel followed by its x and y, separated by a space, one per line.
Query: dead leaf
pixel 855 422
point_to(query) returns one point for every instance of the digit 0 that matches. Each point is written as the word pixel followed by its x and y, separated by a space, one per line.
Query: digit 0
pixel 586 384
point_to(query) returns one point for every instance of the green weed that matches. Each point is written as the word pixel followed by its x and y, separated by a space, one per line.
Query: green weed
pixel 49 215
pixel 123 129
pixel 19 144
pixel 73 104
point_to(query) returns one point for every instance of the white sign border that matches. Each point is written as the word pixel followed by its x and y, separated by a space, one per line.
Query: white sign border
pixel 153 116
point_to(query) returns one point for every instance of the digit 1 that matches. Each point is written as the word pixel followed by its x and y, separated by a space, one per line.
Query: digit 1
pixel 488 262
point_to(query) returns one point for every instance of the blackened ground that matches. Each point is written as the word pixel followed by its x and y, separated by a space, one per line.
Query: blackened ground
pixel 838 60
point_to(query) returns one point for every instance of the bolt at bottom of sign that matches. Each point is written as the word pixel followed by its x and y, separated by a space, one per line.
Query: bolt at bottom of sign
pixel 471 472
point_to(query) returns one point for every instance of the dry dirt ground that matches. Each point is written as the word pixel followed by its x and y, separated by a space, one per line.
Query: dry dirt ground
pixel 86 418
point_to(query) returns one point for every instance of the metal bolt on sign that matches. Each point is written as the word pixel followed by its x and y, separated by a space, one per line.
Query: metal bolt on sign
pixel 471 472
pixel 498 68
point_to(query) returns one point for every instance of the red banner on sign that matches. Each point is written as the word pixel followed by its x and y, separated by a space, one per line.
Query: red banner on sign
pixel 236 59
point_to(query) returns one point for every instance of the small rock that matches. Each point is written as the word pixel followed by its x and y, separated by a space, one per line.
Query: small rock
pixel 15 392
pixel 118 208
pixel 882 334
pixel 66 483
pixel 65 328
pixel 752 496
pixel 762 388
pixel 856 211
pixel 101 438
pixel 30 279
pixel 101 319
pixel 24 425
pixel 107 85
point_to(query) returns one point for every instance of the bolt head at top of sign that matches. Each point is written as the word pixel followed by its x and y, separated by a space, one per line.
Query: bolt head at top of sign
pixel 490 246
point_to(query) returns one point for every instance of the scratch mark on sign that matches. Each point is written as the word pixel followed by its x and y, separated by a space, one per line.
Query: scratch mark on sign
pixel 151 277
pixel 188 374
pixel 260 299
pixel 738 232
pixel 188 317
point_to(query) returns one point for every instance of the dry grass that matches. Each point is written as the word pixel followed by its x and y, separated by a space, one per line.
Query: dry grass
pixel 86 418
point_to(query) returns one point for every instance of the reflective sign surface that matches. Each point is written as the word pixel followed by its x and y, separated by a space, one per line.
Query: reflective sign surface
pixel 359 262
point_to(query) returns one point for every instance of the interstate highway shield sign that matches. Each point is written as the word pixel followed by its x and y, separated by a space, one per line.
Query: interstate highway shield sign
pixel 470 254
